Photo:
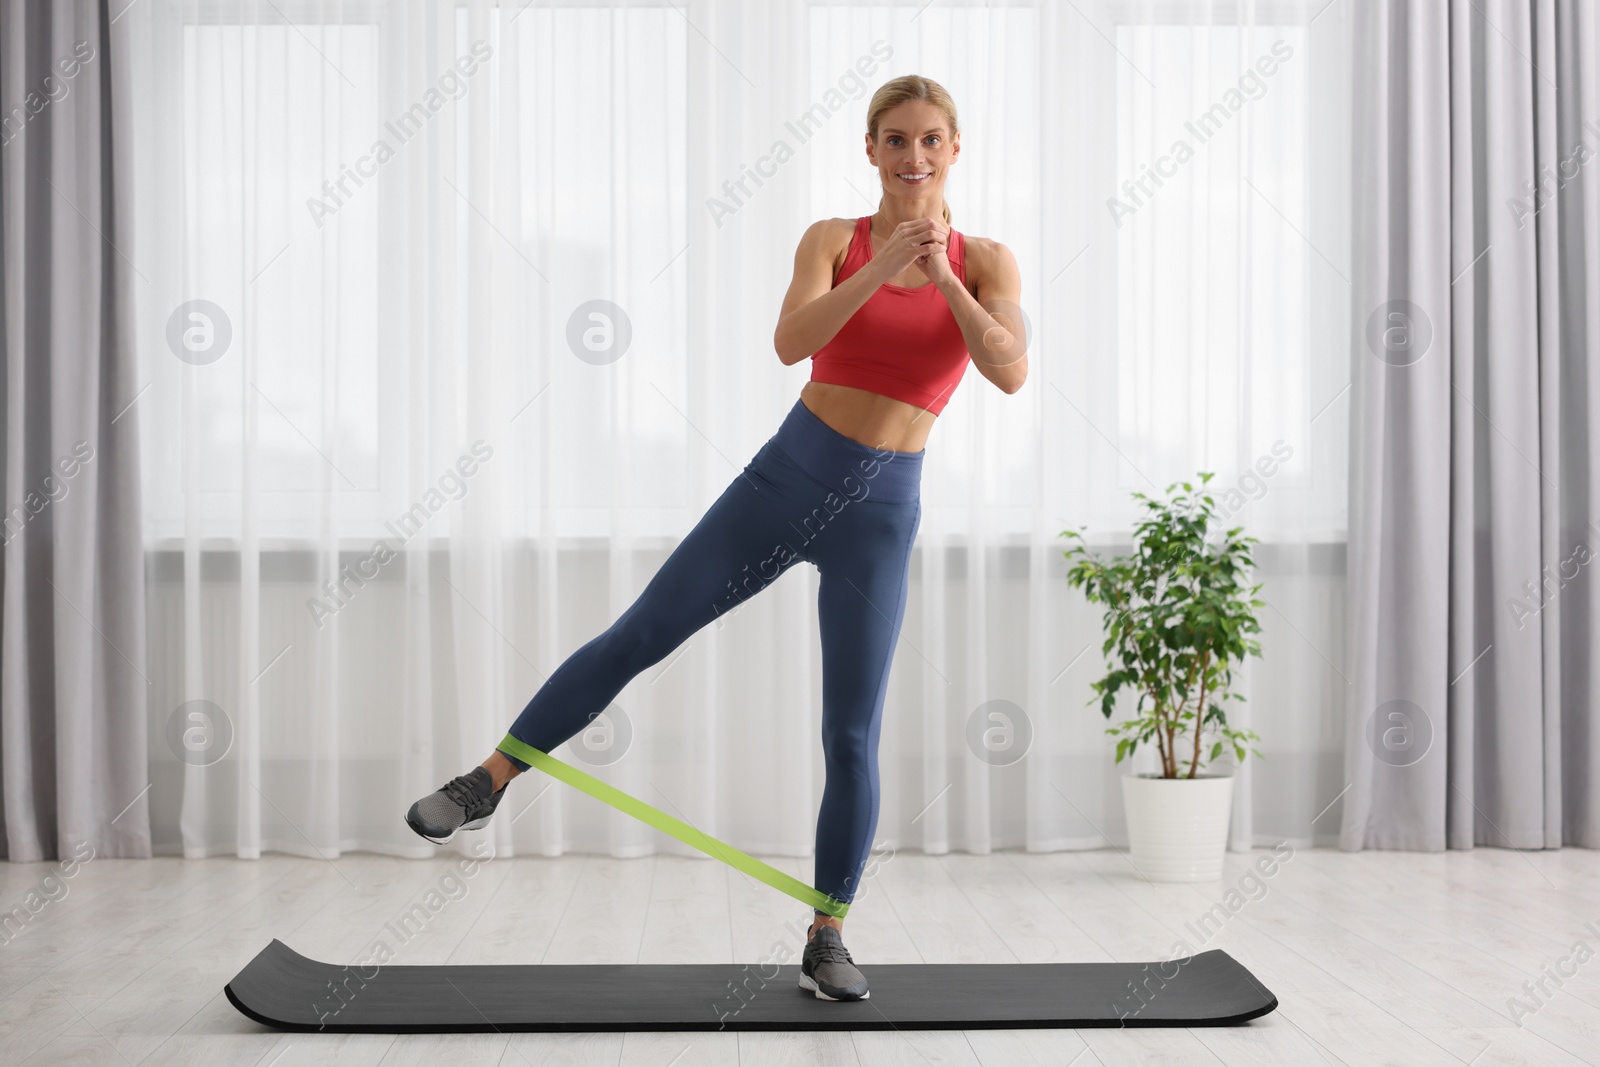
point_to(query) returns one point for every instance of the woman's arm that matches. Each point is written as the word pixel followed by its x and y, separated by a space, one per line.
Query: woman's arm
pixel 814 310
pixel 991 322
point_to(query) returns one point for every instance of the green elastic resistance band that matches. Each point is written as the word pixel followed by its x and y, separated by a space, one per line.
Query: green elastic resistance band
pixel 628 805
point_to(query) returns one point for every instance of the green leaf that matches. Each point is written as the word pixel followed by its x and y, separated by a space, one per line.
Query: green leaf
pixel 1177 612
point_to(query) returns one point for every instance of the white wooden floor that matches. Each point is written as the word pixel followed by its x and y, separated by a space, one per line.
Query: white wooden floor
pixel 1376 958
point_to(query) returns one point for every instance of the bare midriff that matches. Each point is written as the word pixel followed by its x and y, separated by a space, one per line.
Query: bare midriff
pixel 865 417
pixel 869 418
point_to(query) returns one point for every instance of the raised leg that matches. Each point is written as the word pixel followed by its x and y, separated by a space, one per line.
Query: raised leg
pixel 739 547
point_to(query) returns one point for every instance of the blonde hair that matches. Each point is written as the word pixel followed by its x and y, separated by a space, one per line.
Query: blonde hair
pixel 910 87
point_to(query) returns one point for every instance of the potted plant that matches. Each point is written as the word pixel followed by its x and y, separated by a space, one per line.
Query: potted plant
pixel 1178 615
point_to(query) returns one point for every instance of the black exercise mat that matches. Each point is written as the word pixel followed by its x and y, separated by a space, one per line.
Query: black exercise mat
pixel 283 989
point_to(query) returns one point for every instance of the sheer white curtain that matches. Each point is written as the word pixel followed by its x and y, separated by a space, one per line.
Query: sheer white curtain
pixel 488 297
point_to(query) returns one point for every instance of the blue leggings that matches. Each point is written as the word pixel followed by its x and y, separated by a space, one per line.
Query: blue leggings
pixel 810 494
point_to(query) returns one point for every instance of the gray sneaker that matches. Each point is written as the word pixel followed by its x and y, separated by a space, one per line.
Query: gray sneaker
pixel 465 802
pixel 827 969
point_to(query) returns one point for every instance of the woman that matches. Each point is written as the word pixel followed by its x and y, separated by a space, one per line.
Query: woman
pixel 890 308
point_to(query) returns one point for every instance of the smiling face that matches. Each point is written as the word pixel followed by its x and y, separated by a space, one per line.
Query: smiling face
pixel 914 151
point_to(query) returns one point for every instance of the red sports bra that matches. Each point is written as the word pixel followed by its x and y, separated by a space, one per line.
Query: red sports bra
pixel 904 342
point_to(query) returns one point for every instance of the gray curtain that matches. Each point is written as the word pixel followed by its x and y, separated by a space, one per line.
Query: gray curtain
pixel 73 779
pixel 1474 534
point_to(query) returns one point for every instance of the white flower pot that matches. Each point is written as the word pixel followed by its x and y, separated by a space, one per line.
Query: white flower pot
pixel 1178 827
